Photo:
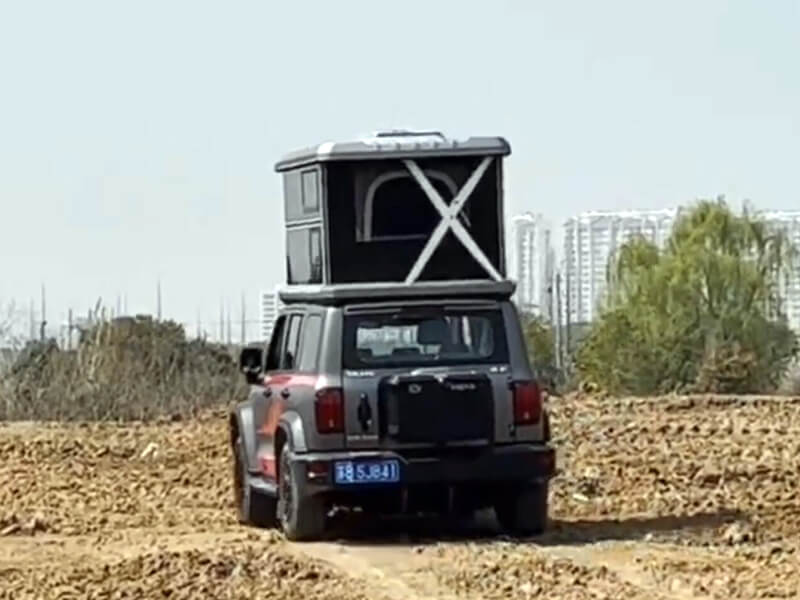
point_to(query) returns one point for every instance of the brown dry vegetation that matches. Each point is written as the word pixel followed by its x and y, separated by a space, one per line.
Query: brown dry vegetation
pixel 656 498
pixel 130 369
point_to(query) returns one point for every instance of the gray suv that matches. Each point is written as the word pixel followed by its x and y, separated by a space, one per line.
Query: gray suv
pixel 395 402
pixel 396 378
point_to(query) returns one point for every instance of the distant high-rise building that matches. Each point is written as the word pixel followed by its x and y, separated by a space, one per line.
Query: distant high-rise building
pixel 592 237
pixel 533 263
pixel 270 305
pixel 789 286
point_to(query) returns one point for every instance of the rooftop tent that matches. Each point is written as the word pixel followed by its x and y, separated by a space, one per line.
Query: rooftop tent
pixel 398 207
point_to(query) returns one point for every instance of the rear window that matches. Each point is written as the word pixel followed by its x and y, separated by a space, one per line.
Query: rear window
pixel 427 338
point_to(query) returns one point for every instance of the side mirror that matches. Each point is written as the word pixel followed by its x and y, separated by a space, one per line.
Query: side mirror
pixel 250 363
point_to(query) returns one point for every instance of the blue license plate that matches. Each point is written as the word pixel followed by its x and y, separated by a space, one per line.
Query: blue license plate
pixel 366 471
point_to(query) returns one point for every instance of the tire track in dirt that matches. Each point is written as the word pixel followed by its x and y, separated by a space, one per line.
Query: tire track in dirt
pixel 612 570
pixel 428 561
pixel 391 572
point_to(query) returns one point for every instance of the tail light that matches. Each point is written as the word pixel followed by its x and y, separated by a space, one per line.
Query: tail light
pixel 527 403
pixel 329 410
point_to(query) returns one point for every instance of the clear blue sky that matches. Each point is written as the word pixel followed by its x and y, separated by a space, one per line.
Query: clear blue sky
pixel 137 139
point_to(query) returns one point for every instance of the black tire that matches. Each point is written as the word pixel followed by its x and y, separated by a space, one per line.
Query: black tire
pixel 253 508
pixel 301 517
pixel 524 513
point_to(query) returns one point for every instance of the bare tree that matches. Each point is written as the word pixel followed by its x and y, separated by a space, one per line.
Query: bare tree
pixel 9 320
pixel 10 342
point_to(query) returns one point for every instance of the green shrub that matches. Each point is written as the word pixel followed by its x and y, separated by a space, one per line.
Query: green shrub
pixel 703 314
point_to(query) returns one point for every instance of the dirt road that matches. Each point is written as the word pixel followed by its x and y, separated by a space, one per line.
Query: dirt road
pixel 668 498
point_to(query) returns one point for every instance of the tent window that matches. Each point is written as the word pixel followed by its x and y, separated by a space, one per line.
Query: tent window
pixel 310 192
pixel 301 194
pixel 304 255
pixel 395 207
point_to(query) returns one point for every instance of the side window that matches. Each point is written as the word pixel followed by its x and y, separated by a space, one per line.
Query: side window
pixel 301 194
pixel 304 255
pixel 310 346
pixel 292 195
pixel 315 252
pixel 276 345
pixel 310 192
pixel 292 339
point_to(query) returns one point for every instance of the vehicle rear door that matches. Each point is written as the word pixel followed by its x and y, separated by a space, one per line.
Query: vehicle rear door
pixel 422 403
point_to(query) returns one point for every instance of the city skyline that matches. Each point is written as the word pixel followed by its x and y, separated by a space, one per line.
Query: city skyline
pixel 532 262
pixel 590 240
pixel 585 287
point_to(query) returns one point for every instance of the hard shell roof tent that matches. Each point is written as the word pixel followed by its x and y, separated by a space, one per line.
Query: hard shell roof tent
pixel 400 211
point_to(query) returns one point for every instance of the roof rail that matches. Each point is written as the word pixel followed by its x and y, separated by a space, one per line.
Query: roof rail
pixel 347 293
pixel 407 133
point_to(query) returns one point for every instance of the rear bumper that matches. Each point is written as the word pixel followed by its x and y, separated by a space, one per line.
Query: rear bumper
pixel 512 464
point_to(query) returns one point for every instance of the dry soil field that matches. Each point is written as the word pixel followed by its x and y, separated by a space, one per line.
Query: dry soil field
pixel 660 498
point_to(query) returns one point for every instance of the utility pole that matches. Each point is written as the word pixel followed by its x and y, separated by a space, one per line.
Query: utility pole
pixel 221 321
pixel 44 316
pixel 32 321
pixel 229 325
pixel 158 299
pixel 568 318
pixel 69 329
pixel 243 321
pixel 557 320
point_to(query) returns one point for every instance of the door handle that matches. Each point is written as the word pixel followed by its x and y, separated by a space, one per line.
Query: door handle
pixel 285 392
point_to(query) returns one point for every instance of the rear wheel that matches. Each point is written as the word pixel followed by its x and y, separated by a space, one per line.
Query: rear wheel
pixel 253 508
pixel 524 512
pixel 301 516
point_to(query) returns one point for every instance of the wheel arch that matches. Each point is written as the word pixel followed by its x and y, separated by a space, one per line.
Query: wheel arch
pixel 293 431
pixel 241 423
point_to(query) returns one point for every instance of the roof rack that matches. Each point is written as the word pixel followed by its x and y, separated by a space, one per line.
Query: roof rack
pixel 388 144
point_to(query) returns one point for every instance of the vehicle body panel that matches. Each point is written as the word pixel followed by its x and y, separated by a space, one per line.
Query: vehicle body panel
pixel 285 399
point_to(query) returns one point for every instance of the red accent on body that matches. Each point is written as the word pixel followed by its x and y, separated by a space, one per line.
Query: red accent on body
pixel 278 404
pixel 291 380
pixel 268 466
pixel 274 413
pixel 276 408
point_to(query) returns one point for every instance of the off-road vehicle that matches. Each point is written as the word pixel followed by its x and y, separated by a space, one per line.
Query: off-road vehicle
pixel 396 378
